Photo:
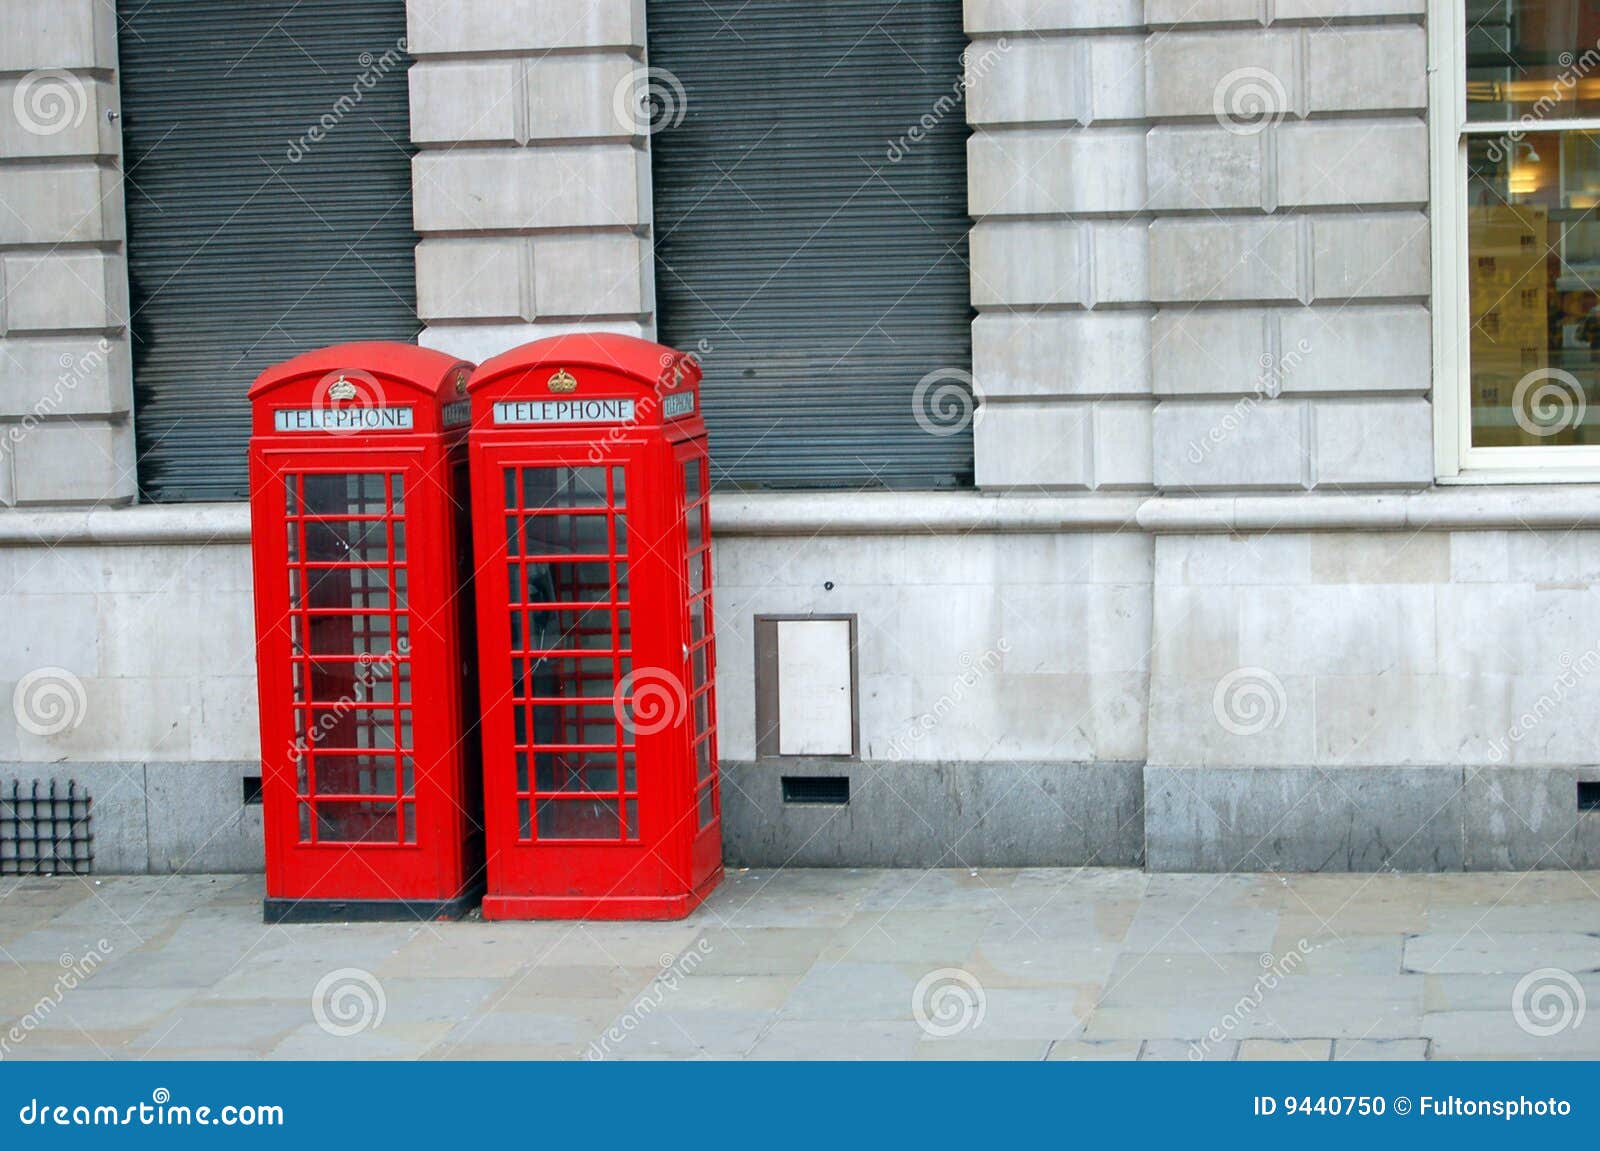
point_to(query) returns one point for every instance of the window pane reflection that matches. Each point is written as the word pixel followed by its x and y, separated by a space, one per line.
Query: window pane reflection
pixel 1532 58
pixel 1533 273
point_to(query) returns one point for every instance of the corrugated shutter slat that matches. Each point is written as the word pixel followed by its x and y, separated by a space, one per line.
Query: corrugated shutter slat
pixel 819 280
pixel 239 257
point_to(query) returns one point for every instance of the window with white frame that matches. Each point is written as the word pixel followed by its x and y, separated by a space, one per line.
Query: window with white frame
pixel 1516 142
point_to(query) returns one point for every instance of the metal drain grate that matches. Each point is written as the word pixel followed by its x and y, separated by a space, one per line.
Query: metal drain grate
pixel 45 833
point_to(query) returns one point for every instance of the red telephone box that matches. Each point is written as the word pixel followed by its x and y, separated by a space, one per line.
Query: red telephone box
pixel 359 501
pixel 593 549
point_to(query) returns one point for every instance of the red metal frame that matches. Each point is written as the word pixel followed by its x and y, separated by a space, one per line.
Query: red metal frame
pixel 369 784
pixel 596 698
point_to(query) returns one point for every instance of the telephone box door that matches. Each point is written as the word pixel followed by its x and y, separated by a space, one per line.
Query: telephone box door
pixel 368 804
pixel 564 641
pixel 693 510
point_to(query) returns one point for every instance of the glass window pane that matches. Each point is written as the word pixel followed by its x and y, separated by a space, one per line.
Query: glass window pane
pixel 563 487
pixel 570 678
pixel 579 819
pixel 358 822
pixel 1532 58
pixel 348 541
pixel 565 535
pixel 354 774
pixel 575 771
pixel 348 587
pixel 691 481
pixel 349 634
pixel 1533 266
pixel 584 630
pixel 345 495
pixel 584 724
pixel 345 727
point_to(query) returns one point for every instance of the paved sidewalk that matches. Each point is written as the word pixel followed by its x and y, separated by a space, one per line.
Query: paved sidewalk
pixel 1032 964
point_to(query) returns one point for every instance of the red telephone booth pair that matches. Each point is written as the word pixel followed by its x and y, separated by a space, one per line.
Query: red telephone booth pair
pixel 561 753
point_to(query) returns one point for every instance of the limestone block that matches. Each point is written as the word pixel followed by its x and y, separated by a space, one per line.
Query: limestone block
pixel 1216 260
pixel 1250 443
pixel 449 26
pixel 1371 442
pixel 1062 353
pixel 477 278
pixel 1055 171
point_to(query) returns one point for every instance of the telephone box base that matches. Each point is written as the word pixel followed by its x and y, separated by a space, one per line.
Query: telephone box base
pixel 366 910
pixel 599 907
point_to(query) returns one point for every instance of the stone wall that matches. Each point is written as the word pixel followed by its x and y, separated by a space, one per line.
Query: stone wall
pixel 130 668
pixel 1201 251
pixel 531 187
pixel 1418 699
pixel 1229 634
pixel 66 434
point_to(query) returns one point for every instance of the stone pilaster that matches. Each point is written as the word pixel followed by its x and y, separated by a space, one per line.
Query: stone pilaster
pixel 66 432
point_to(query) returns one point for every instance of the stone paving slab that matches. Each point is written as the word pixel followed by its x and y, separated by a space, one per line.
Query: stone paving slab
pixel 1476 951
pixel 849 964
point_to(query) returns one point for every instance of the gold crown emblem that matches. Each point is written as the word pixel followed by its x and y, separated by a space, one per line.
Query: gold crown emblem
pixel 341 389
pixel 563 382
pixel 461 382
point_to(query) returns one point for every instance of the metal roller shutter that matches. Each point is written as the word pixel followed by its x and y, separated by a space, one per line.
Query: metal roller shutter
pixel 820 280
pixel 239 255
